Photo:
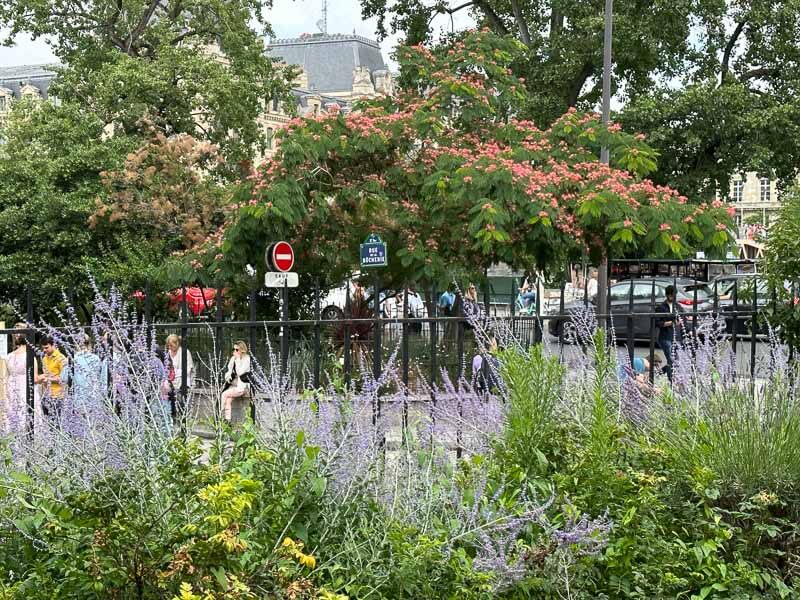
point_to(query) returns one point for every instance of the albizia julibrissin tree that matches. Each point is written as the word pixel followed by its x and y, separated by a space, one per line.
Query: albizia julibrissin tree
pixel 447 175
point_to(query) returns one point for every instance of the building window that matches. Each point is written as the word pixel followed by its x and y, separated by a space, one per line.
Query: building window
pixel 270 135
pixel 766 189
pixel 274 105
pixel 738 190
pixel 2 104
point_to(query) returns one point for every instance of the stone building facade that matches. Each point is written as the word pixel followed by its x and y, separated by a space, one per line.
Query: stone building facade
pixel 347 67
pixel 755 199
pixel 28 81
pixel 334 71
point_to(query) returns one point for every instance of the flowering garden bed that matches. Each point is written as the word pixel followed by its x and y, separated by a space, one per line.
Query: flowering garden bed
pixel 550 487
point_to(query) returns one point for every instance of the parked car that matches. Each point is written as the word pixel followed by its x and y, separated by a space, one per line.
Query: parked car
pixel 332 304
pixel 734 293
pixel 644 300
pixel 742 284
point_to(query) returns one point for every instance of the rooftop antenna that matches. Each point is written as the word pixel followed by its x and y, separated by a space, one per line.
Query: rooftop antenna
pixel 322 24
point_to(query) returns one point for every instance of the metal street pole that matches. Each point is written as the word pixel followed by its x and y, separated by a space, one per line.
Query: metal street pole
pixel 602 275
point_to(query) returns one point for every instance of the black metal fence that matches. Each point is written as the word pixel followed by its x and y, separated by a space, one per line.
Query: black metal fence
pixel 429 338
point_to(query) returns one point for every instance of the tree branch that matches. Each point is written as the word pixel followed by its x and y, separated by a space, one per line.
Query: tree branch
pixel 455 9
pixel 556 21
pixel 726 56
pixel 143 23
pixel 524 34
pixel 492 17
pixel 760 72
pixel 577 84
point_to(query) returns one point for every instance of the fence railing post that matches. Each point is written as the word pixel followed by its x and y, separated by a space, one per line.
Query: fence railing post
pixel 560 317
pixel 348 311
pixel 753 332
pixel 219 330
pixel 652 332
pixel 735 322
pixel 285 332
pixel 30 365
pixel 184 349
pixel 538 336
pixel 376 344
pixel 630 324
pixel 317 342
pixel 252 342
pixel 148 315
pixel 405 361
pixel 513 304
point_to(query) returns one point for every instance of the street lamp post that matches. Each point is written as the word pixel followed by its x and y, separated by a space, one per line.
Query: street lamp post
pixel 602 275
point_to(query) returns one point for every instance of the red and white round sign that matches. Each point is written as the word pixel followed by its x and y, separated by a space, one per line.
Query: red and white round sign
pixel 281 256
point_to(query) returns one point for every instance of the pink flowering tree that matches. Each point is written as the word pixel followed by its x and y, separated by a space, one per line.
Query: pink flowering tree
pixel 447 175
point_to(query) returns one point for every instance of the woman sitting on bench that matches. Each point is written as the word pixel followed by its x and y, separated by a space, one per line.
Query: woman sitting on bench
pixel 237 378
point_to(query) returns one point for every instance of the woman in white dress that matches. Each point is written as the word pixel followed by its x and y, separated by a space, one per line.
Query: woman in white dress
pixel 16 409
pixel 237 378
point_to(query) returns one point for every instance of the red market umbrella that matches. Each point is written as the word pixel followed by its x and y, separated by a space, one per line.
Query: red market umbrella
pixel 197 299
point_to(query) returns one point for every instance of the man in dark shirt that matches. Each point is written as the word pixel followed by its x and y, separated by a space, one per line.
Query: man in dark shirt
pixel 669 327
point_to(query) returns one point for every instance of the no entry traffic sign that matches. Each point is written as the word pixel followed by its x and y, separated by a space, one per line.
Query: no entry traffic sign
pixel 280 257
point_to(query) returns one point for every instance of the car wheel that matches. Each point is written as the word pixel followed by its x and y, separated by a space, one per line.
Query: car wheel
pixel 332 313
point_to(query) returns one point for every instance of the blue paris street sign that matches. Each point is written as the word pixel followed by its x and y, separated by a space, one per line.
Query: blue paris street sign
pixel 373 252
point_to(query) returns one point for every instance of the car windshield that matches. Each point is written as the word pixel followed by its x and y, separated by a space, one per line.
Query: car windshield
pixel 742 284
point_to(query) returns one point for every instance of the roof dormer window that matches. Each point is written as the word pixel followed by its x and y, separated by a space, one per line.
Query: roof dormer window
pixel 29 91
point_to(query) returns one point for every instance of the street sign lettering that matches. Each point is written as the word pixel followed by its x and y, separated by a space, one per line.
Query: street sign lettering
pixel 373 252
pixel 273 279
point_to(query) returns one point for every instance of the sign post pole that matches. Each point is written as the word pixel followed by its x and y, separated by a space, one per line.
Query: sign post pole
pixel 373 254
pixel 280 259
pixel 284 328
pixel 376 352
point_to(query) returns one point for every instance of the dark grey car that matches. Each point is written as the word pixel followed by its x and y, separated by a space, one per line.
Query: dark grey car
pixel 647 293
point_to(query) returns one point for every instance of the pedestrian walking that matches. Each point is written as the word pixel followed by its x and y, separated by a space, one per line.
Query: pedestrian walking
pixel 446 301
pixel 16 405
pixel 669 327
pixel 591 284
pixel 173 344
pixel 51 379
pixel 470 308
pixel 87 379
pixel 163 411
pixel 486 369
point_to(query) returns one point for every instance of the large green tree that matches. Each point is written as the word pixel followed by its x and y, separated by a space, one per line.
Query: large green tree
pixel 455 182
pixel 75 202
pixel 50 161
pixel 714 84
pixel 185 66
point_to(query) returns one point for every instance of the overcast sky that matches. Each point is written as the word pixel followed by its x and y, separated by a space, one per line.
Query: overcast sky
pixel 289 18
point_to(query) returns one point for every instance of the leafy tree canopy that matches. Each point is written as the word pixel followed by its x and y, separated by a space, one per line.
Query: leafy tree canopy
pixel 50 162
pixel 783 247
pixel 713 84
pixel 74 201
pixel 454 181
pixel 158 62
